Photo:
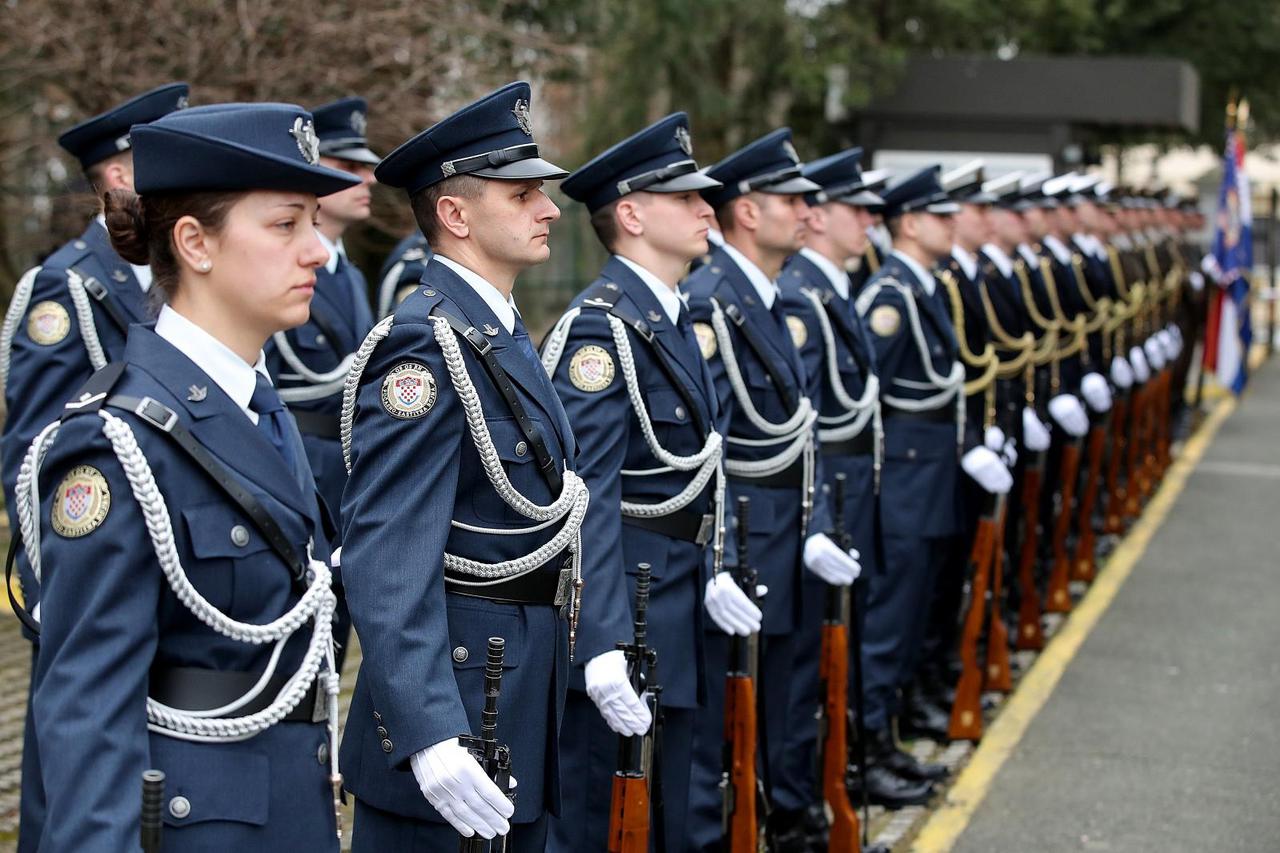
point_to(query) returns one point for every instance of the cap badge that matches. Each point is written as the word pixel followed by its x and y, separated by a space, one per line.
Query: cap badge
pixel 684 140
pixel 304 133
pixel 182 103
pixel 790 151
pixel 359 123
pixel 521 112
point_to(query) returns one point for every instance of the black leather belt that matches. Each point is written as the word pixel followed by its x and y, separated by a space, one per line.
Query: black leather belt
pixel 317 424
pixel 546 586
pixel 943 414
pixel 862 444
pixel 791 477
pixel 683 525
pixel 192 688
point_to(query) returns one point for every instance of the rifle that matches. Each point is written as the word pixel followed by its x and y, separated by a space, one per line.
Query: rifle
pixel 999 672
pixel 629 815
pixel 1030 632
pixel 152 797
pixel 1134 474
pixel 1085 567
pixel 742 790
pixel 966 711
pixel 1114 510
pixel 494 757
pixel 833 671
pixel 1059 596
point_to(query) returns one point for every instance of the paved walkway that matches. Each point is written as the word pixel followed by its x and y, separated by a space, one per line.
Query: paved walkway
pixel 1162 735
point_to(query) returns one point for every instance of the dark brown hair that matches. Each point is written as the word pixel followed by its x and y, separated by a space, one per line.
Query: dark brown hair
pixel 605 224
pixel 141 228
pixel 424 201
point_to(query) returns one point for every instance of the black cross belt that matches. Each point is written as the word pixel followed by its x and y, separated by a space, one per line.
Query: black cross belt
pixel 862 444
pixel 791 477
pixel 190 688
pixel 682 524
pixel 317 424
pixel 549 585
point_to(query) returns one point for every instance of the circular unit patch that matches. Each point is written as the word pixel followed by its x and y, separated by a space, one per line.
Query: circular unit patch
pixel 706 339
pixel 799 331
pixel 48 323
pixel 591 369
pixel 81 502
pixel 409 390
pixel 885 320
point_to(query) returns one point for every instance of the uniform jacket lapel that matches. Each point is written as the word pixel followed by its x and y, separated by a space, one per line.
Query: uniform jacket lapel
pixel 760 318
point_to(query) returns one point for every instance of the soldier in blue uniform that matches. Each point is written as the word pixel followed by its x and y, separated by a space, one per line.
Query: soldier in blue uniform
pixel 401 271
pixel 309 363
pixel 626 364
pixel 771 454
pixel 186 606
pixel 921 382
pixel 67 318
pixel 462 514
pixel 878 242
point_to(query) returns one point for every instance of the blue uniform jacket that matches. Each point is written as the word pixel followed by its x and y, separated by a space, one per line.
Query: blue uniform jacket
pixel 918 482
pixel 43 376
pixel 609 434
pixel 422 677
pixel 775 546
pixel 401 271
pixel 109 617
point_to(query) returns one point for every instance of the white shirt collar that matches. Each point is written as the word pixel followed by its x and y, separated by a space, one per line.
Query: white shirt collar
pixel 714 237
pixel 668 297
pixel 334 249
pixel 923 275
pixel 999 258
pixel 839 278
pixel 767 290
pixel 503 308
pixel 229 371
pixel 1029 255
pixel 879 235
pixel 1060 251
pixel 967 262
pixel 141 272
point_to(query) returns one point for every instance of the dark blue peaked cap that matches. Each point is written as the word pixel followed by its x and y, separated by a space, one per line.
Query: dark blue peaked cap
pixel 658 159
pixel 840 178
pixel 341 127
pixel 233 147
pixel 94 140
pixel 491 138
pixel 768 165
pixel 918 191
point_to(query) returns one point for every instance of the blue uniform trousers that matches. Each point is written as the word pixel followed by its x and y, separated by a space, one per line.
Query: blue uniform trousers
pixel 376 831
pixel 31 807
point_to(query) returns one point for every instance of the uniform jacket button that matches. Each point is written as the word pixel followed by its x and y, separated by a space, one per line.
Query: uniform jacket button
pixel 322 754
pixel 239 536
pixel 179 807
pixel 387 745
pixel 680 412
pixel 320 339
pixel 80 244
pixel 429 292
pixel 377 716
pixel 911 453
pixel 521 448
pixel 382 731
pixel 460 654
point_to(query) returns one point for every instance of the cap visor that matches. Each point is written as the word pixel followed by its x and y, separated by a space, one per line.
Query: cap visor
pixel 534 168
pixel 355 155
pixel 862 198
pixel 684 183
pixel 791 186
pixel 981 198
pixel 942 208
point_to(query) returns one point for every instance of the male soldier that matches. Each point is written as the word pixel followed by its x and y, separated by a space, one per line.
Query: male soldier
pixel 921 382
pixel 744 335
pixel 834 346
pixel 401 271
pixel 879 244
pixel 462 516
pixel 67 318
pixel 647 421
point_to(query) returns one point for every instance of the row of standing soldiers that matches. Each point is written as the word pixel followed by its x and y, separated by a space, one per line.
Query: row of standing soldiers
pixel 846 439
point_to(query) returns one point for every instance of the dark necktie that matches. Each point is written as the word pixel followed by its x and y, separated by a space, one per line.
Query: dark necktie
pixel 685 326
pixel 273 420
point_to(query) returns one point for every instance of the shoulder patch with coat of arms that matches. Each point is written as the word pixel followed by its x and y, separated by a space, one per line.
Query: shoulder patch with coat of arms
pixel 48 323
pixel 409 390
pixel 591 369
pixel 799 331
pixel 706 339
pixel 885 320
pixel 81 502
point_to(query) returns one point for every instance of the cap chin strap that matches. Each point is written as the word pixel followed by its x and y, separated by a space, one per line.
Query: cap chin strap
pixel 489 159
pixel 647 179
pixel 760 182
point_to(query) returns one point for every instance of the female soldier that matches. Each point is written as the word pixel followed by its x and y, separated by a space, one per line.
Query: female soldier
pixel 186 613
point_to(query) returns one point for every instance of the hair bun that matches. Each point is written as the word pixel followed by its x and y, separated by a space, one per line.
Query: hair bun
pixel 127 225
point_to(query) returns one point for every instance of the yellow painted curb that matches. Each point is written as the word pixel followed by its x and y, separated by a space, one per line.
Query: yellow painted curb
pixel 944 827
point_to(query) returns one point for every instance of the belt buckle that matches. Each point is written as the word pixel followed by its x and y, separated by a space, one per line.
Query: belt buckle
pixel 706 528
pixel 564 588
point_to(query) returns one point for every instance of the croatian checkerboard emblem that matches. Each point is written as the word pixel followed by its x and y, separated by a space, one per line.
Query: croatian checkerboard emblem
pixel 81 503
pixel 409 390
pixel 48 323
pixel 591 369
pixel 304 133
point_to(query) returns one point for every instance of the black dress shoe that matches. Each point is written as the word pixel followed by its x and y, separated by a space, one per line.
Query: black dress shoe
pixel 888 789
pixel 817 830
pixel 924 719
pixel 882 751
pixel 786 827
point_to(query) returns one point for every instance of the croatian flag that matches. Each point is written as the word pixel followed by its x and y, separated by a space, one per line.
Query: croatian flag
pixel 1233 252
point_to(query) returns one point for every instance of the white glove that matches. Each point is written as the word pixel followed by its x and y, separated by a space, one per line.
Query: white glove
pixel 830 562
pixel 1176 334
pixel 1155 353
pixel 454 783
pixel 1096 392
pixel 1197 280
pixel 1067 411
pixel 1035 435
pixel 987 470
pixel 994 438
pixel 335 559
pixel 1121 372
pixel 729 606
pixel 1009 453
pixel 1166 342
pixel 610 689
pixel 1141 371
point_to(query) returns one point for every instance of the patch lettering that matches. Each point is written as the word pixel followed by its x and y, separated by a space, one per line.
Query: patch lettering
pixel 409 390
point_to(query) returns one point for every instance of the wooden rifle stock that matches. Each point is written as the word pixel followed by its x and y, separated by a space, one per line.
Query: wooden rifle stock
pixel 966 712
pixel 833 729
pixel 629 813
pixel 1058 594
pixel 1085 566
pixel 1133 461
pixel 999 672
pixel 1114 510
pixel 1030 631
pixel 740 784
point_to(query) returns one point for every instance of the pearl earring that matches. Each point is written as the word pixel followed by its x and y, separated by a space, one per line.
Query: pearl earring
pixel 206 265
